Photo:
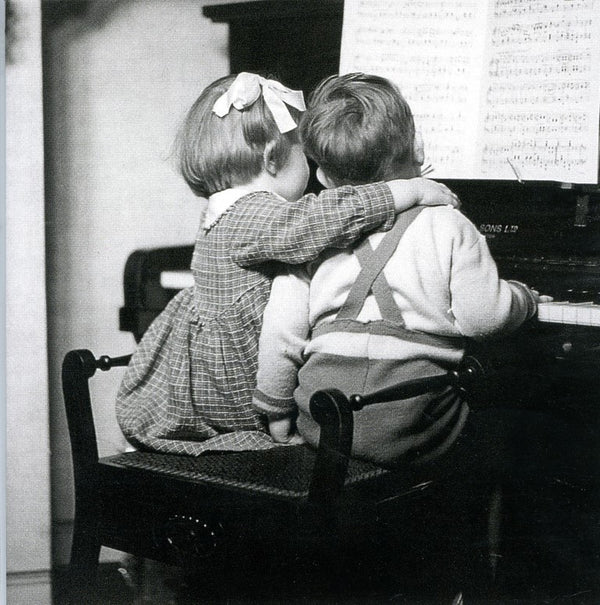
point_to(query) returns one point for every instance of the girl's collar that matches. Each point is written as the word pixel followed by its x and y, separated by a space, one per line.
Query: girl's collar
pixel 220 202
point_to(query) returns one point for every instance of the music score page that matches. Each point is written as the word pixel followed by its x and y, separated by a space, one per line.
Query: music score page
pixel 503 89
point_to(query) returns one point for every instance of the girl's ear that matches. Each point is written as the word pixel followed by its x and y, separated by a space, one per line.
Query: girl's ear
pixel 325 180
pixel 269 163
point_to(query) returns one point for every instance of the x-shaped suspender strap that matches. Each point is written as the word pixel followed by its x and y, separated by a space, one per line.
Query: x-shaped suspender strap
pixel 371 277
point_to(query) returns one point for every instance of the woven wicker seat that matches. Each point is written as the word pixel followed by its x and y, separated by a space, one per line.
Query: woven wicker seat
pixel 251 471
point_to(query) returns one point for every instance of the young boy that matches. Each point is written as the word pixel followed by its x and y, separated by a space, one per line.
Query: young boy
pixel 398 305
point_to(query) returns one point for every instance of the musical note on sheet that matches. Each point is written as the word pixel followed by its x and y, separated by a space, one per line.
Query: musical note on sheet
pixel 490 82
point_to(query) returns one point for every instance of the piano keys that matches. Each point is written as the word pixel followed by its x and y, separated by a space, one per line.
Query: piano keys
pixel 573 313
pixel 563 312
pixel 152 277
pixel 176 280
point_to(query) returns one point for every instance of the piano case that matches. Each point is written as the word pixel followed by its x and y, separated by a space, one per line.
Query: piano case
pixel 150 282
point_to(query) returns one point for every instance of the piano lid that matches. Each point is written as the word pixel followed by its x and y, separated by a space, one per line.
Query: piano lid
pixel 533 219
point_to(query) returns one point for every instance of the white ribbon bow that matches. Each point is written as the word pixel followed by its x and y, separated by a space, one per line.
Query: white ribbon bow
pixel 246 89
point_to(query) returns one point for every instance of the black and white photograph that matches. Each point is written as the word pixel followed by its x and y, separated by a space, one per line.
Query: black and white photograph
pixel 302 302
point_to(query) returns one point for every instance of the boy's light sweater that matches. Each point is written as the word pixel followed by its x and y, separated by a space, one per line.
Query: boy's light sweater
pixel 444 281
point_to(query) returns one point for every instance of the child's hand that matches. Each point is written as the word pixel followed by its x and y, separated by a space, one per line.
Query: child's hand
pixel 421 192
pixel 283 430
pixel 541 298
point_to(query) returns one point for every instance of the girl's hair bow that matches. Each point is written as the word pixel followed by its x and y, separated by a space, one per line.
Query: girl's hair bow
pixel 246 89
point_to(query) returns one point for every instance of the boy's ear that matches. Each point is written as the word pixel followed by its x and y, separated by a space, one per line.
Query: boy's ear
pixel 418 149
pixel 325 180
pixel 268 163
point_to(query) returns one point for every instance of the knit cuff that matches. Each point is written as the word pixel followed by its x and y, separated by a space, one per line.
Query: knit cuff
pixel 273 408
pixel 529 297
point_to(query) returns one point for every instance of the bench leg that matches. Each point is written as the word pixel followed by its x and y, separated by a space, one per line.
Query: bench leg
pixel 83 566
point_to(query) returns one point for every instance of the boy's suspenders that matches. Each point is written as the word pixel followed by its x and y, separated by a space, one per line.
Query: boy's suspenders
pixel 372 279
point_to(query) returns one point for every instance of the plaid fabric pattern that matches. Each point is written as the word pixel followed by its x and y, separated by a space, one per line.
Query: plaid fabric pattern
pixel 188 388
pixel 298 232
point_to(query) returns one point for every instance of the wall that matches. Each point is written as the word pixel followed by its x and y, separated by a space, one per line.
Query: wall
pixel 118 78
pixel 28 469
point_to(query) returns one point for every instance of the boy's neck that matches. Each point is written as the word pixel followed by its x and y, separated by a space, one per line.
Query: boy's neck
pixel 405 172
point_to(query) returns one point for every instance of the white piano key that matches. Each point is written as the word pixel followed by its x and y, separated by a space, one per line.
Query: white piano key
pixel 550 312
pixel 584 312
pixel 176 279
pixel 571 313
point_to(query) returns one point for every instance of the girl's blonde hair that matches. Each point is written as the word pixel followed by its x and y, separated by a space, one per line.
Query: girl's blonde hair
pixel 216 153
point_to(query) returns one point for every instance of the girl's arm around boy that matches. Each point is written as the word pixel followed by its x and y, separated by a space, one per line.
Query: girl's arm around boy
pixel 297 232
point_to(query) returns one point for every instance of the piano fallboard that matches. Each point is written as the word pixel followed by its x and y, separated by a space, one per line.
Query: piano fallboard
pixel 534 221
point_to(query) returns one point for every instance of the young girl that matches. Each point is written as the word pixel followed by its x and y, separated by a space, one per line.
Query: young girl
pixel 189 386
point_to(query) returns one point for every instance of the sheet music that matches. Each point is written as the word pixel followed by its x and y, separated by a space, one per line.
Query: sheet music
pixel 432 50
pixel 502 89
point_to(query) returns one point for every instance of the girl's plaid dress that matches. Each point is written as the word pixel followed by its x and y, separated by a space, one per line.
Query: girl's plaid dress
pixel 188 388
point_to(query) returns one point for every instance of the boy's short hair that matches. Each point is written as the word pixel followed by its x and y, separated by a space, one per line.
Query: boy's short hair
pixel 358 128
pixel 216 153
